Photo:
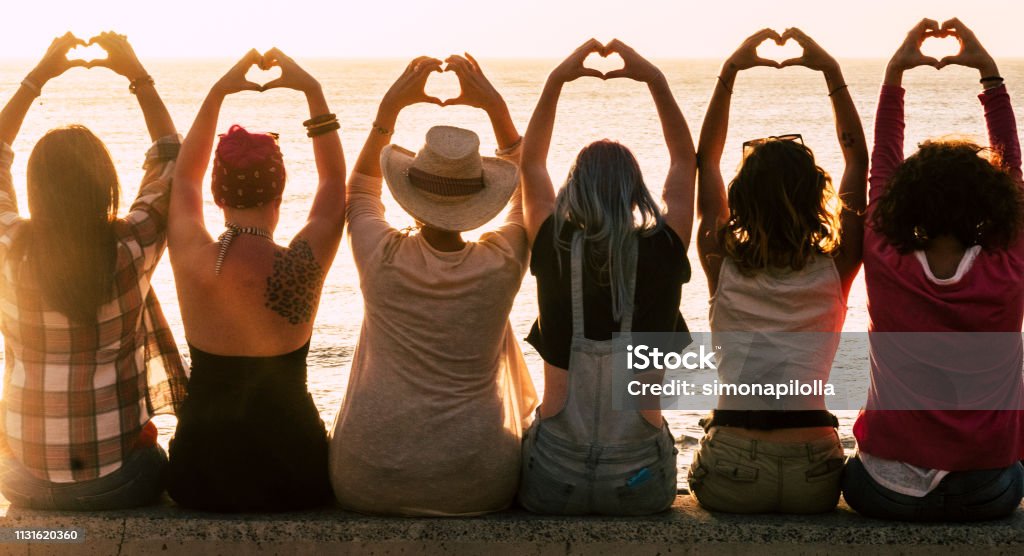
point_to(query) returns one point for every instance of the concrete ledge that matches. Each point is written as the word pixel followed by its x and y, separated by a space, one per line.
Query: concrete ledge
pixel 686 529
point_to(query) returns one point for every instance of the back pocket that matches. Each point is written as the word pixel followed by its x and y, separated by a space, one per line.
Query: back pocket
pixel 735 471
pixel 542 491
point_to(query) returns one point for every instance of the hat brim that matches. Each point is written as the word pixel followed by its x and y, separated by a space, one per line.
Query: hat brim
pixel 456 214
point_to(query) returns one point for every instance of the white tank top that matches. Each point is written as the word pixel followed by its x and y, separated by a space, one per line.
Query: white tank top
pixel 800 312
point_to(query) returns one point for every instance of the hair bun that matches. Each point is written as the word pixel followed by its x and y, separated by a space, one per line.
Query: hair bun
pixel 240 149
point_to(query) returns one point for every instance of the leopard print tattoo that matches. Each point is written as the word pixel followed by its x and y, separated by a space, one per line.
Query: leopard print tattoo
pixel 294 288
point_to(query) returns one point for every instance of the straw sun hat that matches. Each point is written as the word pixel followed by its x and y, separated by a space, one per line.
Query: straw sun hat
pixel 448 185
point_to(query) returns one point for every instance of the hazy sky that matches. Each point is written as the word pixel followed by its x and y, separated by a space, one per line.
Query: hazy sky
pixel 528 28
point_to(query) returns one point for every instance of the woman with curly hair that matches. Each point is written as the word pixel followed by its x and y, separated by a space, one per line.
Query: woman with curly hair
pixel 780 257
pixel 943 257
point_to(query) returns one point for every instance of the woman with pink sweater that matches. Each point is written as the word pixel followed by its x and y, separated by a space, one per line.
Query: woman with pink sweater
pixel 942 433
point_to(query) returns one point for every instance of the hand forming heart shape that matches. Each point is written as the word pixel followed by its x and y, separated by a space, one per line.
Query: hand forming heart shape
pixel 634 66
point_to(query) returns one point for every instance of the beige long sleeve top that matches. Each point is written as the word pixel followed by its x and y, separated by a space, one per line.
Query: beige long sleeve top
pixel 439 393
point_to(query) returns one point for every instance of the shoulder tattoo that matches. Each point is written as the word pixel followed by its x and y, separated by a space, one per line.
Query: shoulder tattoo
pixel 294 287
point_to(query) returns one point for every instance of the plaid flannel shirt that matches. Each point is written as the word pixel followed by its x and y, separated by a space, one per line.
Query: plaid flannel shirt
pixel 76 398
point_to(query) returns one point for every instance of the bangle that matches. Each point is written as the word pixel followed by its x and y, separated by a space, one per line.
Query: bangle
pixel 325 123
pixel 382 130
pixel 31 86
pixel 839 88
pixel 722 81
pixel 144 80
pixel 331 126
pixel 992 81
pixel 323 118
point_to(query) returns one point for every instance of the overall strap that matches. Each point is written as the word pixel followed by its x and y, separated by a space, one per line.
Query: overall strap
pixel 629 258
pixel 576 261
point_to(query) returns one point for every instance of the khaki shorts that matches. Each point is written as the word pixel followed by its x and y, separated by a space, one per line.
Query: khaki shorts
pixel 738 475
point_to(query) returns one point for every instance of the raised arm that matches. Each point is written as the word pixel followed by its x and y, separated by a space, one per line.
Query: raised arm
pixel 365 211
pixel 850 132
pixel 538 191
pixel 887 153
pixel 53 64
pixel 999 117
pixel 326 221
pixel 122 60
pixel 478 92
pixel 682 172
pixel 186 229
pixel 712 201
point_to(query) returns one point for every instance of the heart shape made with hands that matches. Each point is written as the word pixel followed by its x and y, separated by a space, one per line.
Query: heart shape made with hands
pixel 444 85
pixel 604 61
pixel 940 44
pixel 779 51
pixel 90 54
pixel 262 74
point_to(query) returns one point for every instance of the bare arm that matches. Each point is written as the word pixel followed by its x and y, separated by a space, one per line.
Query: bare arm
pixel 679 183
pixel 478 92
pixel 326 221
pixel 853 187
pixel 186 229
pixel 53 64
pixel 122 60
pixel 538 191
pixel 712 201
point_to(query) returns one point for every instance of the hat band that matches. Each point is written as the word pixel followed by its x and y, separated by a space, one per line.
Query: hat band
pixel 446 187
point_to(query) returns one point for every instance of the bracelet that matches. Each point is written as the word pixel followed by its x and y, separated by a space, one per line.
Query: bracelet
pixel 332 126
pixel 321 124
pixel 722 81
pixel 28 84
pixel 144 80
pixel 990 78
pixel 323 118
pixel 839 88
pixel 382 130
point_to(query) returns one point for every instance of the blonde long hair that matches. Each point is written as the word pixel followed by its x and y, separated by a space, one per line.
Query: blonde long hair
pixel 605 196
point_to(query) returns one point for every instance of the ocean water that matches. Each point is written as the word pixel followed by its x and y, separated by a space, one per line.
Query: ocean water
pixel 766 102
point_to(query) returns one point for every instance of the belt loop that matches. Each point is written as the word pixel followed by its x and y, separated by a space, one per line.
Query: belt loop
pixel 810 452
pixel 753 450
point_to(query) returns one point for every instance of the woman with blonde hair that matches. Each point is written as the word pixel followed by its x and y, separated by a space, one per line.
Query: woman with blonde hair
pixel 607 260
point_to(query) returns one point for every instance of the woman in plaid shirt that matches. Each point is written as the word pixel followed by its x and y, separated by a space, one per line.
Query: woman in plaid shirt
pixel 89 358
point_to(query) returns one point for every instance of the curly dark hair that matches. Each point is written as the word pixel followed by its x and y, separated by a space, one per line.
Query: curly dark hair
pixel 950 187
pixel 782 209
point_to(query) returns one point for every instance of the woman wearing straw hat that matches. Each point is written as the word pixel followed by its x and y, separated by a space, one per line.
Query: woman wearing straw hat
pixel 601 270
pixel 249 437
pixel 439 392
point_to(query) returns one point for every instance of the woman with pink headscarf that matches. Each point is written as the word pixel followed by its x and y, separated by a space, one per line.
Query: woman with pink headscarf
pixel 249 437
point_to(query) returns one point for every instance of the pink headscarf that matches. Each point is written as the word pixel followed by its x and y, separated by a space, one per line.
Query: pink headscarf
pixel 248 170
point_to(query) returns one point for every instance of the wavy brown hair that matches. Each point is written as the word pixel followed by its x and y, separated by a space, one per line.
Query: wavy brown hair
pixel 950 187
pixel 73 195
pixel 781 209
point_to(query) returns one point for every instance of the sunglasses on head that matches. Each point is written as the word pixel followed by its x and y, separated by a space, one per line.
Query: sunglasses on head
pixel 750 145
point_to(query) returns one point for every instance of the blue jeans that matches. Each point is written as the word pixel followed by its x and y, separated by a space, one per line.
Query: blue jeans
pixel 960 496
pixel 559 478
pixel 138 482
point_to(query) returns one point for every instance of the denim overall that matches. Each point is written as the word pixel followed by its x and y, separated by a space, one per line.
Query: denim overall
pixel 591 458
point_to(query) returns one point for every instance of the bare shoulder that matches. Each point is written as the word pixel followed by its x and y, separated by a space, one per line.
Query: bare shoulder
pixel 293 287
